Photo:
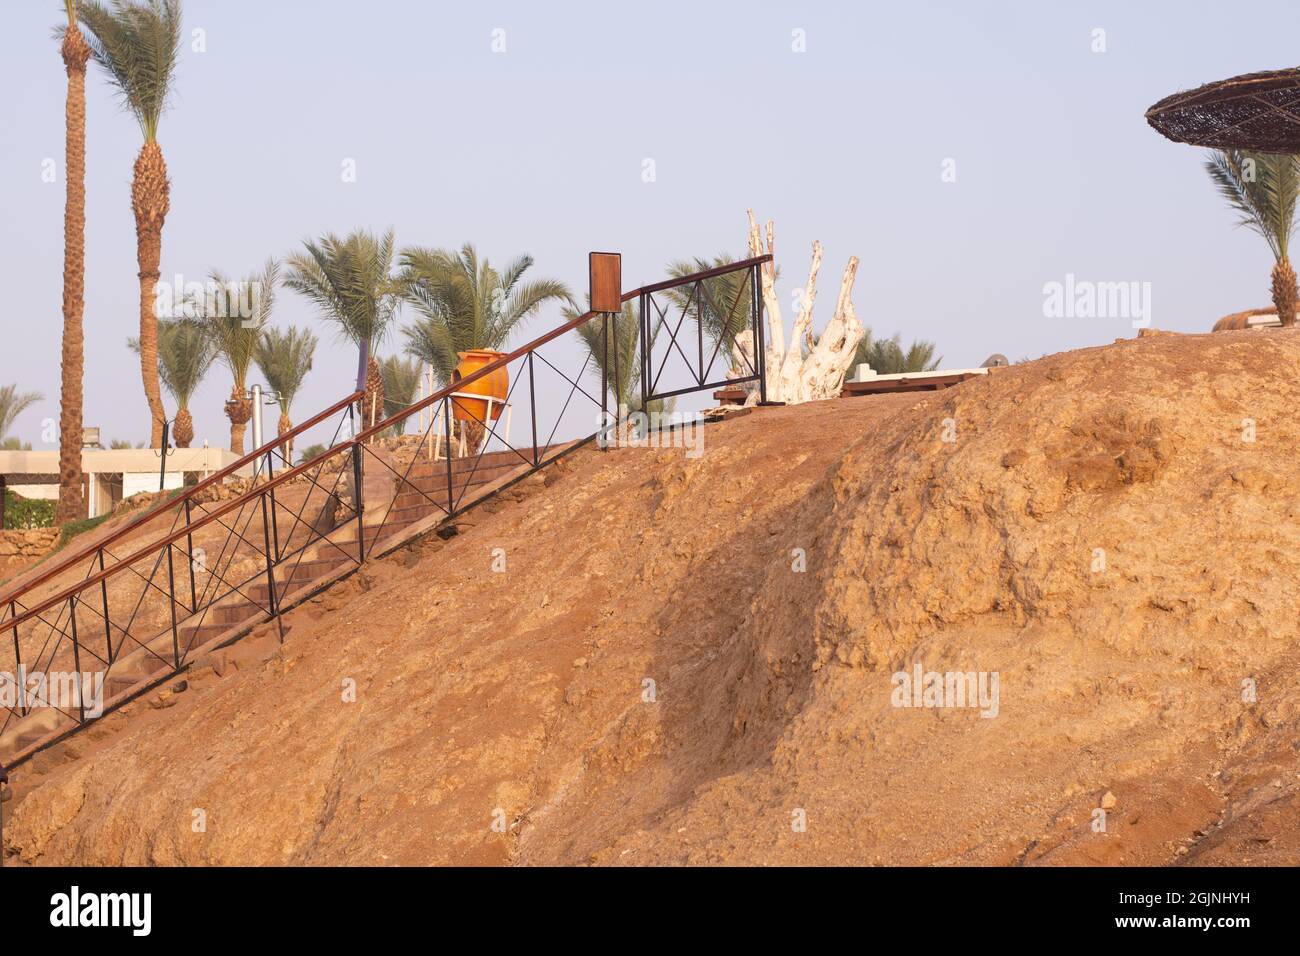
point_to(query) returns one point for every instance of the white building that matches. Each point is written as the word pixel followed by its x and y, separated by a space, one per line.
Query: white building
pixel 111 475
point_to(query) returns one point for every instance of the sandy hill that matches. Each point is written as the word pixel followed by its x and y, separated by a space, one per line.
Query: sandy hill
pixel 693 660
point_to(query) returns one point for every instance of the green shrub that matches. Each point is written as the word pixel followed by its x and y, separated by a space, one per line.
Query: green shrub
pixel 27 512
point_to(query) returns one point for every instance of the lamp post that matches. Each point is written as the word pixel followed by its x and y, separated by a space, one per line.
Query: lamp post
pixel 260 398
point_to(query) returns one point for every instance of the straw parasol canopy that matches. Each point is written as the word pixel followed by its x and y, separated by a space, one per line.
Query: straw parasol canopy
pixel 1258 111
pixel 1249 319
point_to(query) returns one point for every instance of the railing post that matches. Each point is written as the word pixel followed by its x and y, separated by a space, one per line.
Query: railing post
pixel 699 326
pixel 76 659
pixel 162 468
pixel 532 404
pixel 275 526
pixel 644 319
pixel 108 625
pixel 618 378
pixel 446 427
pixel 358 500
pixel 760 351
pixel 171 598
pixel 272 598
pixel 189 553
pixel 18 662
pixel 603 444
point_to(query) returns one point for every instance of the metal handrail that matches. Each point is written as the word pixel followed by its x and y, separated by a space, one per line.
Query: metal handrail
pixel 91 549
pixel 273 553
pixel 178 501
pixel 569 326
pixel 303 467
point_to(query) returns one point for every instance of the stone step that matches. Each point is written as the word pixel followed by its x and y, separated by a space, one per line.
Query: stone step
pixel 435 486
pixel 409 511
pixel 459 466
pixel 230 614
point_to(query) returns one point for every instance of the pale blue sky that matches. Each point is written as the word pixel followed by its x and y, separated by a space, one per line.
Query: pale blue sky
pixel 540 150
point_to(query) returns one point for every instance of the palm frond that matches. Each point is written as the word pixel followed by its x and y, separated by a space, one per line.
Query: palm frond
pixel 12 404
pixel 622 368
pixel 136 42
pixel 1262 188
pixel 350 282
pixel 401 380
pixel 237 315
pixel 723 305
pixel 464 303
pixel 186 351
pixel 888 357
pixel 285 358
pixel 527 300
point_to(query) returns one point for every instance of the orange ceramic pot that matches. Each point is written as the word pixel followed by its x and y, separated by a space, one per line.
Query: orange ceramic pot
pixel 495 384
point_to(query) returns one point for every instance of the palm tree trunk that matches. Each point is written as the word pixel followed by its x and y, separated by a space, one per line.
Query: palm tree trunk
pixel 1284 291
pixel 373 402
pixel 71 506
pixel 239 409
pixel 183 431
pixel 150 201
pixel 285 426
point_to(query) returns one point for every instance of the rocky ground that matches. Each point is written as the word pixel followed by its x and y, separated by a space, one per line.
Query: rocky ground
pixel 644 657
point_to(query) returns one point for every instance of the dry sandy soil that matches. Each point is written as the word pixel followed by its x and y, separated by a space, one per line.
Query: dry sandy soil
pixel 653 679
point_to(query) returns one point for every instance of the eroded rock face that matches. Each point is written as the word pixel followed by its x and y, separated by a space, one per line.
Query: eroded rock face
pixel 697 660
pixel 1109 490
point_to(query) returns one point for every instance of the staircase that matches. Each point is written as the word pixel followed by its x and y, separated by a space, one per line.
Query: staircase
pixel 408 514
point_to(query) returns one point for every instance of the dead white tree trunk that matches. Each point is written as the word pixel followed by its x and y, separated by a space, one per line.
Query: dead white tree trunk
pixel 808 369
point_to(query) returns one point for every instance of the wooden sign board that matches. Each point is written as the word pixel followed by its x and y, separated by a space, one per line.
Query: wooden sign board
pixel 606 272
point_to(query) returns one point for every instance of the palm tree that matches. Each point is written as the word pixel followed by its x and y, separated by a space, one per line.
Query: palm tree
pixel 1263 188
pixel 464 303
pixel 622 371
pixel 285 356
pixel 186 350
pixel 349 281
pixel 236 332
pixel 723 304
pixel 887 356
pixel 76 53
pixel 136 42
pixel 401 380
pixel 12 404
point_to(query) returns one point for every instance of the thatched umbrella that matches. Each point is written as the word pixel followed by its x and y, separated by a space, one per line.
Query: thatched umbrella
pixel 1258 112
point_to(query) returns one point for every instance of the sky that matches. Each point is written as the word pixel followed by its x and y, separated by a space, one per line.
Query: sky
pixel 969 153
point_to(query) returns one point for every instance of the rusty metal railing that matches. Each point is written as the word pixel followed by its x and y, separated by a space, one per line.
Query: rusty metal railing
pixel 722 304
pixel 133 617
